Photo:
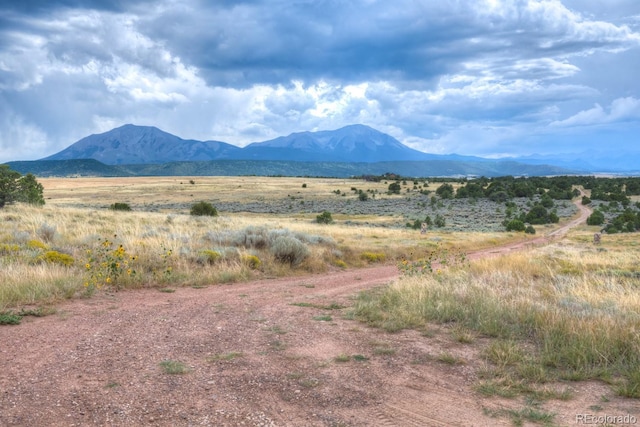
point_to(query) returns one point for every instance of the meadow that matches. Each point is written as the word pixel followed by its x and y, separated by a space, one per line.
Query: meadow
pixel 76 244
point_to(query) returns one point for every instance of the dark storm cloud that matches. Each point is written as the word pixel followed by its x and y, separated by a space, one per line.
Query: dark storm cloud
pixel 472 76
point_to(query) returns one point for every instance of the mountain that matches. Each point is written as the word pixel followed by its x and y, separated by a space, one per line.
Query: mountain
pixel 351 150
pixel 355 143
pixel 130 144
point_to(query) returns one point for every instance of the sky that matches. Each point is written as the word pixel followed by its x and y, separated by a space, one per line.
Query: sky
pixel 490 78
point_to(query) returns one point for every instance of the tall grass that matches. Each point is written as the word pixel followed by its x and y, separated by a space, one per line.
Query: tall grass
pixel 576 311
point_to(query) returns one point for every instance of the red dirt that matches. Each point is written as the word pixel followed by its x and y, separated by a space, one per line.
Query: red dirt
pixel 97 362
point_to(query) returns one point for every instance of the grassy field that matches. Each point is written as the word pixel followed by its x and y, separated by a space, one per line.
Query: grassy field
pixel 75 244
pixel 546 316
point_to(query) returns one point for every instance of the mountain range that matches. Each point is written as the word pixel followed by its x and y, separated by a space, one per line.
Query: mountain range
pixel 351 150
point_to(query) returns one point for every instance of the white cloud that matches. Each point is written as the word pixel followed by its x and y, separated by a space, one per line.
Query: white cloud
pixel 621 109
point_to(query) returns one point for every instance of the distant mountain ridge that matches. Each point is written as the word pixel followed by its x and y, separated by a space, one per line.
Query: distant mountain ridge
pixel 131 144
pixel 147 150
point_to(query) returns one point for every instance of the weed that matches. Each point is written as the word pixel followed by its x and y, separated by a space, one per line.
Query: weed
pixel 360 358
pixel 225 356
pixel 631 386
pixel 173 367
pixel 342 358
pixel 450 359
pixel 167 290
pixel 323 318
pixel 251 261
pixel 7 318
pixel 108 265
pixel 278 345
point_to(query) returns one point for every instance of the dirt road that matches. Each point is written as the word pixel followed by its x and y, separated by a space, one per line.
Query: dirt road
pixel 265 353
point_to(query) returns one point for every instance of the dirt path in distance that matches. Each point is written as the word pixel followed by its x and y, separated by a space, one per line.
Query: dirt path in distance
pixel 265 353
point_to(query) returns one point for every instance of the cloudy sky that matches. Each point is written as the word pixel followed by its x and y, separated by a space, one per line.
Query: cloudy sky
pixel 478 77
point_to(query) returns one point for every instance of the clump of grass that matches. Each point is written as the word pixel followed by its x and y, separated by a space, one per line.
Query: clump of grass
pixel 323 318
pixel 225 356
pixel 174 367
pixel 251 261
pixel 449 359
pixel 342 358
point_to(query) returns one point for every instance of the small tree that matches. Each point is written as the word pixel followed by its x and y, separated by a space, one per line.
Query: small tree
pixel 204 209
pixel 324 218
pixel 515 225
pixel 395 188
pixel 596 218
pixel 17 188
pixel 445 191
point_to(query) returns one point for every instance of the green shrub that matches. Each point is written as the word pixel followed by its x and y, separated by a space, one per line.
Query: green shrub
pixel 324 218
pixel 530 230
pixel 288 249
pixel 596 218
pixel 204 209
pixel 515 225
pixel 394 188
pixel 120 207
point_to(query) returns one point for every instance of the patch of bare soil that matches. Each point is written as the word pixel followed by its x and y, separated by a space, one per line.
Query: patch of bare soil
pixel 267 353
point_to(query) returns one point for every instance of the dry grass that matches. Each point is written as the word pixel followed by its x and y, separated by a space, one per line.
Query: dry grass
pixel 551 304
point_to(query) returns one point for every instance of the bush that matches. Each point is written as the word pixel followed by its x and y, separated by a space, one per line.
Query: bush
pixel 47 232
pixel 210 257
pixel 394 188
pixel 515 225
pixel 596 218
pixel 445 191
pixel 120 207
pixel 288 249
pixel 251 261
pixel 372 257
pixel 204 209
pixel 55 257
pixel 324 218
pixel 530 230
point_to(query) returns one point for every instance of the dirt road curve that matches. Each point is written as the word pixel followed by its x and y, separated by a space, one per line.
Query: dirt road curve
pixel 253 359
